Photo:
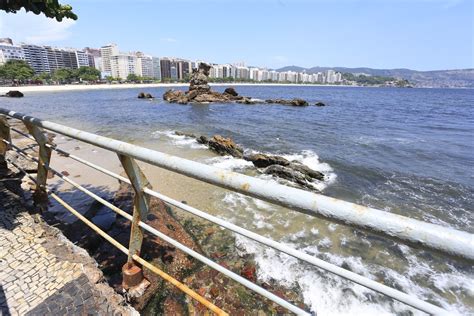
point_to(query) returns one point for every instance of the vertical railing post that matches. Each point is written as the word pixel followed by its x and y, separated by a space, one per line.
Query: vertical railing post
pixel 40 197
pixel 132 274
pixel 4 147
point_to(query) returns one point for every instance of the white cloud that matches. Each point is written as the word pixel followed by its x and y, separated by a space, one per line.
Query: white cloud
pixel 168 39
pixel 34 29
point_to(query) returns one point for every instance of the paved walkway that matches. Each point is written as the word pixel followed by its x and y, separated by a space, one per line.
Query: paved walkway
pixel 41 272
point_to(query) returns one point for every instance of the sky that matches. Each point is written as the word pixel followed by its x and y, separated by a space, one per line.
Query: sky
pixel 414 34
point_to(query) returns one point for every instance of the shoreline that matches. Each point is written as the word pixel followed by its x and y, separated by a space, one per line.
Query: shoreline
pixel 80 87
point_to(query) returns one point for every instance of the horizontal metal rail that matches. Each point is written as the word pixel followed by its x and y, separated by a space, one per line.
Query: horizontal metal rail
pixel 124 249
pixel 391 225
pixel 173 242
pixel 376 286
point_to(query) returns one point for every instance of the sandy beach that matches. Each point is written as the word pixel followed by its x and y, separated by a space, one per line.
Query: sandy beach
pixel 78 87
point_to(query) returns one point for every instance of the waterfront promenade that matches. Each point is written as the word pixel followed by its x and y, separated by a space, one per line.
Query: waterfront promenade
pixel 41 272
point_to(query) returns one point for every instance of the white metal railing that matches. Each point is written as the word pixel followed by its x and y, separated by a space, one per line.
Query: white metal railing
pixel 431 236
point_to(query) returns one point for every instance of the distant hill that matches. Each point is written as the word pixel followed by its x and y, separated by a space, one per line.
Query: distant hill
pixel 460 78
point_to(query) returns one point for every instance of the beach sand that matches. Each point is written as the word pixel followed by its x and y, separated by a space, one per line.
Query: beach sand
pixel 78 87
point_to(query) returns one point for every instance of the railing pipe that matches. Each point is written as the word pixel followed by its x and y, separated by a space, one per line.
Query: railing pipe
pixel 432 236
pixel 178 245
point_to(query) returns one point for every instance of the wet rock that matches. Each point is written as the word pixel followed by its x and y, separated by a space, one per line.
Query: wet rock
pixel 263 161
pixel 14 94
pixel 185 134
pixel 293 102
pixel 320 104
pixel 287 174
pixel 309 173
pixel 225 146
pixel 202 140
pixel 231 91
pixel 141 95
pixel 148 96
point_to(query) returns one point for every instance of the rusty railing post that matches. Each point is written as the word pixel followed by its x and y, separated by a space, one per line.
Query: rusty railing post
pixel 40 196
pixel 4 147
pixel 132 274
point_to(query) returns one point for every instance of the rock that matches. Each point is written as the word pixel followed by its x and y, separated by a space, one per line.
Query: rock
pixel 141 95
pixel 309 173
pixel 286 173
pixel 192 94
pixel 245 100
pixel 293 102
pixel 148 96
pixel 185 134
pixel 263 161
pixel 211 97
pixel 225 146
pixel 173 95
pixel 14 94
pixel 320 104
pixel 231 91
pixel 202 140
pixel 299 102
pixel 199 79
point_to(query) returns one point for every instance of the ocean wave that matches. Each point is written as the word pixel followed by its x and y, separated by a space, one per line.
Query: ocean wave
pixel 229 163
pixel 178 140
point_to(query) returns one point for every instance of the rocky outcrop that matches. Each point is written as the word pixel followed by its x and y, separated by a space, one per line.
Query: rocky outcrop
pixel 143 95
pixel 292 102
pixel 13 94
pixel 278 166
pixel 262 160
pixel 225 146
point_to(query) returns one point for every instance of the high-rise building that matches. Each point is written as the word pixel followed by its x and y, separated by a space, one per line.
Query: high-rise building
pixel 123 65
pixel 156 68
pixel 8 51
pixel 144 65
pixel 82 59
pixel 94 57
pixel 106 53
pixel 165 65
pixel 37 58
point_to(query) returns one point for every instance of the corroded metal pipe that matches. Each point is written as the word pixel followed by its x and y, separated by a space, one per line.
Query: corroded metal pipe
pixel 431 236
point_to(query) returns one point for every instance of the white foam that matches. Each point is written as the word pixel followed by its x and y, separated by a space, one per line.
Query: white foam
pixel 178 140
pixel 229 163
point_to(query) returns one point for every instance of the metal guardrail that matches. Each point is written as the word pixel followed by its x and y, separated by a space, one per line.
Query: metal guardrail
pixel 431 236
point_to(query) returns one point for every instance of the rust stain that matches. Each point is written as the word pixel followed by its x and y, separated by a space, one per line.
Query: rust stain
pixel 245 186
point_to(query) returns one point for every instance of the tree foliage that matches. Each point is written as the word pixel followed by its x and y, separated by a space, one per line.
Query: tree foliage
pixel 16 70
pixel 68 75
pixel 50 8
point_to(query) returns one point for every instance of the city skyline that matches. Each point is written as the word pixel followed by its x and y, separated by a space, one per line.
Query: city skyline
pixel 113 63
pixel 422 35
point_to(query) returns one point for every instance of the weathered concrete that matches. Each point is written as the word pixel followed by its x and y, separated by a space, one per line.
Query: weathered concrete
pixel 41 272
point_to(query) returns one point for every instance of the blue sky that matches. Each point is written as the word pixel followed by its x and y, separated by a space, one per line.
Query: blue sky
pixel 416 34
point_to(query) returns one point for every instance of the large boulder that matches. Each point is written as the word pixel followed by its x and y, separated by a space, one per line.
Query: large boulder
pixel 231 91
pixel 143 95
pixel 263 161
pixel 287 174
pixel 14 94
pixel 173 95
pixel 225 146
